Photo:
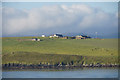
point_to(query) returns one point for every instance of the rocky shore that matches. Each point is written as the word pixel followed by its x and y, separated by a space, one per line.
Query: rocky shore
pixel 43 66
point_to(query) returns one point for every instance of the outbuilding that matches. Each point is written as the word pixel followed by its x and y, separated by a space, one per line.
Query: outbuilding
pixel 43 35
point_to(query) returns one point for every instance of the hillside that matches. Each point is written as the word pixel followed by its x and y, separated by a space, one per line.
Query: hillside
pixel 54 51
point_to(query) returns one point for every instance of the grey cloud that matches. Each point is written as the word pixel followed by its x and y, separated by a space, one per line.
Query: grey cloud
pixel 54 18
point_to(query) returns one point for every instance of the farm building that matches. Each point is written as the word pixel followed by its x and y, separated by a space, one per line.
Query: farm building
pixel 82 37
pixel 64 37
pixel 79 37
pixel 73 37
pixel 51 36
pixel 56 35
pixel 43 35
pixel 86 37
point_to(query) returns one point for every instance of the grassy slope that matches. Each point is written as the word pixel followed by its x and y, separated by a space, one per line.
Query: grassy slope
pixel 95 50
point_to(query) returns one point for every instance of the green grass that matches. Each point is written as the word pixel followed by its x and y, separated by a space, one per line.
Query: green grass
pixel 59 50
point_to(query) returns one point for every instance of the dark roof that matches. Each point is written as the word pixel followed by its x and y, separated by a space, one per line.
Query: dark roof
pixel 60 35
pixel 85 36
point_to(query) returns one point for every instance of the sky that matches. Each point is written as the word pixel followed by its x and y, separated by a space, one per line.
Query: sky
pixel 67 18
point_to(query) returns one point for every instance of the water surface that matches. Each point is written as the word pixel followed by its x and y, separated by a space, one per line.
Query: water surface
pixel 73 73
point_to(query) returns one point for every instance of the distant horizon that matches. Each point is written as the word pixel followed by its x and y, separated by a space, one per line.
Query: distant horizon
pixel 69 34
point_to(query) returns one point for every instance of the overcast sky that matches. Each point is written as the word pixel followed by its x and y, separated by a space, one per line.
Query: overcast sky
pixel 33 19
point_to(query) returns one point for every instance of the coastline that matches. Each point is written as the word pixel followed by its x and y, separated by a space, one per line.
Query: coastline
pixel 32 66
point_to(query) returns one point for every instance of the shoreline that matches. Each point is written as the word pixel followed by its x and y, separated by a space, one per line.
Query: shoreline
pixel 21 66
pixel 57 69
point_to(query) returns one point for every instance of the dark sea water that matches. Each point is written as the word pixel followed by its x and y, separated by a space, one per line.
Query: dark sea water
pixel 72 73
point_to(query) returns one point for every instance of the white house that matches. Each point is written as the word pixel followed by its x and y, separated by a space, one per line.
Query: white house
pixel 56 35
pixel 50 36
pixel 79 36
pixel 43 35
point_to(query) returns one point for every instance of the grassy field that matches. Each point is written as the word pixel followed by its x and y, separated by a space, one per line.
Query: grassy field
pixel 56 50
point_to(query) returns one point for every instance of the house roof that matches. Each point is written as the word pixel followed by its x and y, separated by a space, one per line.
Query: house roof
pixel 59 35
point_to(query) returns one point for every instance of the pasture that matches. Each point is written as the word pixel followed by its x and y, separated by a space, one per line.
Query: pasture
pixel 54 50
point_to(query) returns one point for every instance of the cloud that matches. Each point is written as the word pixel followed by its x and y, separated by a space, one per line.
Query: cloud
pixel 56 17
